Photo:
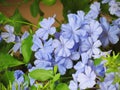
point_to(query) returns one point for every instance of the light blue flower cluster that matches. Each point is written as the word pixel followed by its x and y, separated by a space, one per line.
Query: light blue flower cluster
pixel 114 7
pixel 79 40
pixel 76 46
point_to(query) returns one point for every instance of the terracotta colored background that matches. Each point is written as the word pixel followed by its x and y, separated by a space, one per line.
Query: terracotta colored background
pixel 25 10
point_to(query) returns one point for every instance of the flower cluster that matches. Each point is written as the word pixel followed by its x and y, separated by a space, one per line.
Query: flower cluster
pixel 75 46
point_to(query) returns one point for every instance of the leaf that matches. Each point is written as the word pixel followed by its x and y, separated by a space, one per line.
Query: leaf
pixel 34 8
pixel 3 18
pixel 17 21
pixel 25 1
pixel 7 61
pixel 97 61
pixel 56 77
pixel 26 48
pixel 2 87
pixel 41 74
pixel 62 86
pixel 55 69
pixel 72 6
pixel 7 78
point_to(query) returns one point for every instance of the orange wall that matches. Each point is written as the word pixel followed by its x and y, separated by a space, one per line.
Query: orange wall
pixel 25 10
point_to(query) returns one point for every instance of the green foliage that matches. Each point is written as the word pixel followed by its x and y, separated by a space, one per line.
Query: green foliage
pixel 113 62
pixel 17 21
pixel 72 6
pixel 48 2
pixel 7 61
pixel 26 48
pixel 7 78
pixel 41 74
pixel 34 8
pixel 3 18
pixel 97 61
pixel 2 87
pixel 62 86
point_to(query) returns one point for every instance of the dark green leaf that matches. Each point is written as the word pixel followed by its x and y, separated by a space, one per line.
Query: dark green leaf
pixel 3 18
pixel 72 6
pixel 7 77
pixel 33 88
pixel 17 21
pixel 41 74
pixel 34 8
pixel 25 1
pixel 8 61
pixel 26 48
pixel 62 86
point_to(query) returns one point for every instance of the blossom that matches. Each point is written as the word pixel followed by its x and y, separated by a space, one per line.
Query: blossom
pixel 109 34
pixel 114 8
pixel 108 83
pixel 62 47
pixel 100 70
pixel 93 29
pixel 18 41
pixel 64 63
pixel 46 28
pixel 90 47
pixel 94 11
pixel 8 36
pixel 18 74
pixel 45 50
pixel 73 83
pixel 73 30
pixel 87 79
pixel 106 1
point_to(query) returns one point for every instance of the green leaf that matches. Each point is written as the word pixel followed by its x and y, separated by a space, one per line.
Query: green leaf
pixel 16 20
pixel 56 77
pixel 62 86
pixel 3 18
pixel 25 1
pixel 26 48
pixel 97 61
pixel 2 87
pixel 72 6
pixel 34 8
pixel 7 61
pixel 7 78
pixel 33 88
pixel 41 74
pixel 55 69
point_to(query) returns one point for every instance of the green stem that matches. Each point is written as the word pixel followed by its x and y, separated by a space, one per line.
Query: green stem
pixel 27 23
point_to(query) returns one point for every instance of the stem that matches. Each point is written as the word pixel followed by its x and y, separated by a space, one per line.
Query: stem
pixel 57 21
pixel 27 23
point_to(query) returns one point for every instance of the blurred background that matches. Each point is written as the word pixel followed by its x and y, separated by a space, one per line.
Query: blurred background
pixel 24 8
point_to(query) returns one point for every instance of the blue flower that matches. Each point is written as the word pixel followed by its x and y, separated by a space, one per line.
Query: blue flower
pixel 18 74
pixel 100 70
pixel 62 47
pixel 45 50
pixel 94 12
pixel 93 29
pixel 106 1
pixel 114 8
pixel 87 79
pixel 109 34
pixel 8 36
pixel 108 83
pixel 73 83
pixel 73 30
pixel 18 41
pixel 90 47
pixel 46 28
